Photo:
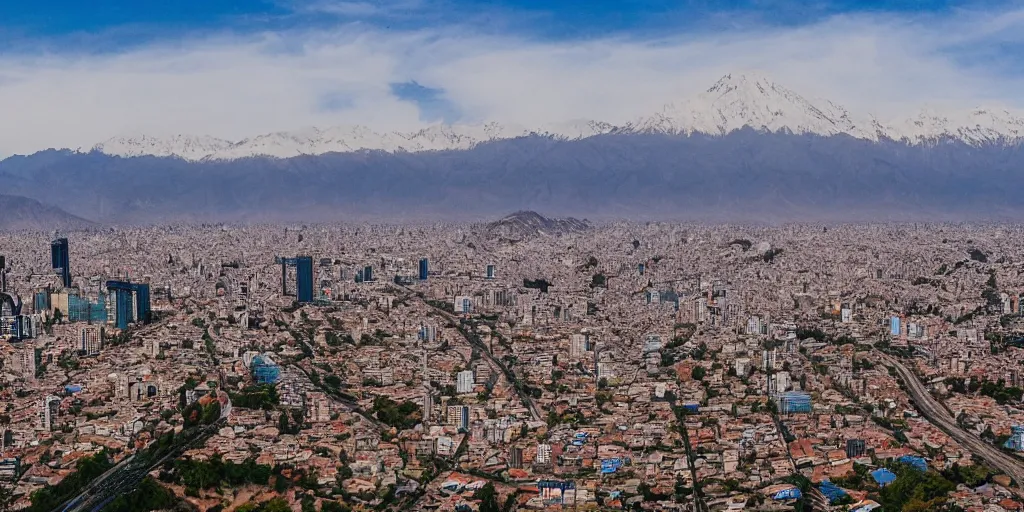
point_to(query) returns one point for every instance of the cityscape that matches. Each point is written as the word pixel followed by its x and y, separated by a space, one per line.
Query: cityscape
pixel 511 256
pixel 528 363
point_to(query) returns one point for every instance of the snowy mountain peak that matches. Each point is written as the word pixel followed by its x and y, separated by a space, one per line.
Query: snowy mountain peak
pixel 188 147
pixel 745 100
pixel 749 81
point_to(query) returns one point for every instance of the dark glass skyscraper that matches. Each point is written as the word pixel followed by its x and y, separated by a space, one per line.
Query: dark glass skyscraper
pixel 424 269
pixel 123 314
pixel 60 259
pixel 131 303
pixel 143 311
pixel 303 277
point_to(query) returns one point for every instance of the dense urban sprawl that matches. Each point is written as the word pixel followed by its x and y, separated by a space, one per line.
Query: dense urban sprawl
pixel 524 364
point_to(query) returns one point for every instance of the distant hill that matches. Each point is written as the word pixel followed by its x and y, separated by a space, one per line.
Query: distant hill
pixel 528 224
pixel 18 213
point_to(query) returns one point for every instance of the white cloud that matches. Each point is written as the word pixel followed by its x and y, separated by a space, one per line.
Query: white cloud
pixel 358 8
pixel 233 86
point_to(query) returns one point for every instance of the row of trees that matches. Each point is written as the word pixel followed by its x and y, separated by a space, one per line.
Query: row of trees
pixel 260 396
pixel 86 470
pixel 197 474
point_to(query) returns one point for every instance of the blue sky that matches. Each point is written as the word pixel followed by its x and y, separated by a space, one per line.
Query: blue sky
pixel 73 72
pixel 566 18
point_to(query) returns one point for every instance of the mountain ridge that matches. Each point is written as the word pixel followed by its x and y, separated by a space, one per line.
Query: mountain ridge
pixel 744 176
pixel 19 213
pixel 734 102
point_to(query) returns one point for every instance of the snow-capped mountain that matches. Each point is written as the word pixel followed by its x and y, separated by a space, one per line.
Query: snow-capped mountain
pixel 183 146
pixel 736 101
pixel 977 126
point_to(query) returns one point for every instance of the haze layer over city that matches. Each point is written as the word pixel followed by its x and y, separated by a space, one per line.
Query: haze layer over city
pixel 407 255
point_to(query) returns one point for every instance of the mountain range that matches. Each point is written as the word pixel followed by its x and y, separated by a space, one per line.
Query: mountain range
pixel 747 149
pixel 734 102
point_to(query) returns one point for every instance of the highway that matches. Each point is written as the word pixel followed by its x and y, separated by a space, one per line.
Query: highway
pixel 940 417
pixel 350 404
pixel 124 477
pixel 699 505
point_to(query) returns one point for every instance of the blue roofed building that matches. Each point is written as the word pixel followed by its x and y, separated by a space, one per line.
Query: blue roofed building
pixel 265 371
pixel 831 491
pixel 794 402
pixel 787 494
pixel 1016 440
pixel 883 477
pixel 917 463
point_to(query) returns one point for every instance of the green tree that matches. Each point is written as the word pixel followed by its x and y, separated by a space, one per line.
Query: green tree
pixel 276 505
pixel 698 373
pixel 488 497
pixel 334 506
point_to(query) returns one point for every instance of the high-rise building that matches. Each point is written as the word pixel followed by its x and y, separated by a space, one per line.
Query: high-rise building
pixel 428 333
pixel 490 271
pixel 25 363
pixel 42 301
pixel 424 269
pixel 579 345
pixel 755 325
pixel 463 304
pixel 90 340
pixel 768 359
pixel 458 416
pixel 303 279
pixel 855 448
pixel 18 327
pixel 428 407
pixel 325 281
pixel 48 414
pixel 60 259
pixel 368 274
pixel 543 454
pixel 742 364
pixel 130 303
pixel 81 309
pixel 464 382
pixel 10 305
pixel 516 458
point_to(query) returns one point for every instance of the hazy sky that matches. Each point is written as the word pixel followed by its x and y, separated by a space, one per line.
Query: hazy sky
pixel 75 73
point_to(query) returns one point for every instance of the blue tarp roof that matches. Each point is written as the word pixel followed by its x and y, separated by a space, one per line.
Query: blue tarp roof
pixel 831 491
pixel 918 463
pixel 883 476
pixel 788 494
